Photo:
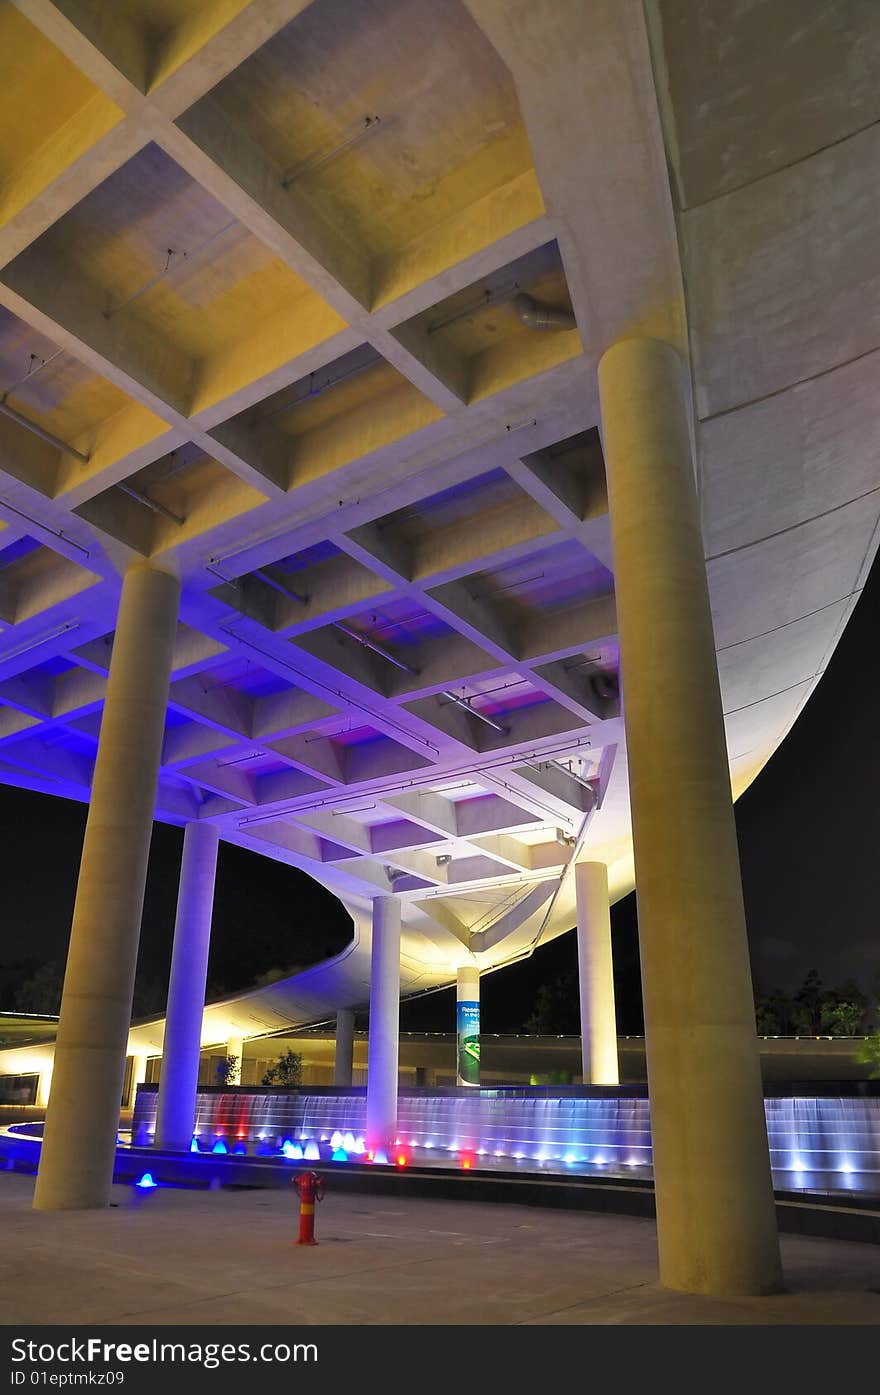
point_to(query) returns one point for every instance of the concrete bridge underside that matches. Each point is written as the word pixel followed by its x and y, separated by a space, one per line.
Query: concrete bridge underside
pixel 302 308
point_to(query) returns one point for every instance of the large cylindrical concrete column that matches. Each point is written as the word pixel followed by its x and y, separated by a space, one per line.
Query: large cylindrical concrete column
pixel 76 1162
pixel 138 1076
pixel 384 1039
pixel 467 1024
pixel 344 1062
pixel 596 975
pixel 186 989
pixel 715 1212
pixel 235 1048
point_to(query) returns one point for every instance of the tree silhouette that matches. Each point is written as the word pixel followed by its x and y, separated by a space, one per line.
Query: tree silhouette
pixel 287 1070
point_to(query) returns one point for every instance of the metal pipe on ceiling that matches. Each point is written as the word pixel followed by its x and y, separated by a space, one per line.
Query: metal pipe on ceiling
pixel 277 586
pixel 150 503
pixel 44 527
pixel 36 430
pixel 466 704
pixel 170 266
pixel 377 649
pixel 314 390
pixel 414 783
pixel 483 301
pixel 32 372
pixel 535 316
pixel 316 162
pixel 35 643
pixel 573 775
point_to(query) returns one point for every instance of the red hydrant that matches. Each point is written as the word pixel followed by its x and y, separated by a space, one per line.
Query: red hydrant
pixel 309 1189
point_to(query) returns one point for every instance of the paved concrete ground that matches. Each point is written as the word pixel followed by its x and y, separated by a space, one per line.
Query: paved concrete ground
pixel 228 1257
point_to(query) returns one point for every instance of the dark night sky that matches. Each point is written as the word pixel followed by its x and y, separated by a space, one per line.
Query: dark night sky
pixel 808 844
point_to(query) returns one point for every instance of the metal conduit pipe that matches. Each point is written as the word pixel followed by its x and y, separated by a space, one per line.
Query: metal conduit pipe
pixel 573 775
pixel 535 316
pixel 150 503
pixel 282 590
pixel 376 648
pixel 408 668
pixel 36 430
pixel 475 712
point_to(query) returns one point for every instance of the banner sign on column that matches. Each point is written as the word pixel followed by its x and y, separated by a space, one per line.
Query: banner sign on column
pixel 468 1043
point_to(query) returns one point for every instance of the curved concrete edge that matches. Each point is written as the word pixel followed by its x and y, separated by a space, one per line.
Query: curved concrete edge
pixel 314 995
pixel 855 1218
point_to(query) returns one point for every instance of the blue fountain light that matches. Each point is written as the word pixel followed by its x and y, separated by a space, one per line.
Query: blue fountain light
pixel 147 1182
pixel 339 1155
pixel 219 1147
pixel 194 1146
pixel 808 1136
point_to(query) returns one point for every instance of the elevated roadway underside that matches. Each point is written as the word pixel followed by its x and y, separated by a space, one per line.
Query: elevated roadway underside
pixel 261 322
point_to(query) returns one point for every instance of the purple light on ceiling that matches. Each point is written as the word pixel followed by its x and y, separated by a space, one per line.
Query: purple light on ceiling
pixel 357 736
pixel 53 668
pixel 15 551
pixel 516 701
pixel 309 557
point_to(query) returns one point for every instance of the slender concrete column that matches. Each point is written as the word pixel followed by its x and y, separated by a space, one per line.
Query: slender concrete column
pixel 138 1076
pixel 44 1086
pixel 467 1023
pixel 383 1045
pixel 76 1163
pixel 186 988
pixel 596 975
pixel 344 1064
pixel 235 1047
pixel 715 1213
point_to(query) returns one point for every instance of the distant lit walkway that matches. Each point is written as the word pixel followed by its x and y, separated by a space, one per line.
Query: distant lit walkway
pixel 227 1257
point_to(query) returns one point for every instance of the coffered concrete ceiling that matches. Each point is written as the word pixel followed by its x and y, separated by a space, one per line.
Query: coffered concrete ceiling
pixel 258 264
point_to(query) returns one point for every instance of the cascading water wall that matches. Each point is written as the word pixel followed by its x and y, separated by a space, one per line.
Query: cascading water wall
pixel 836 1138
pixel 809 1136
